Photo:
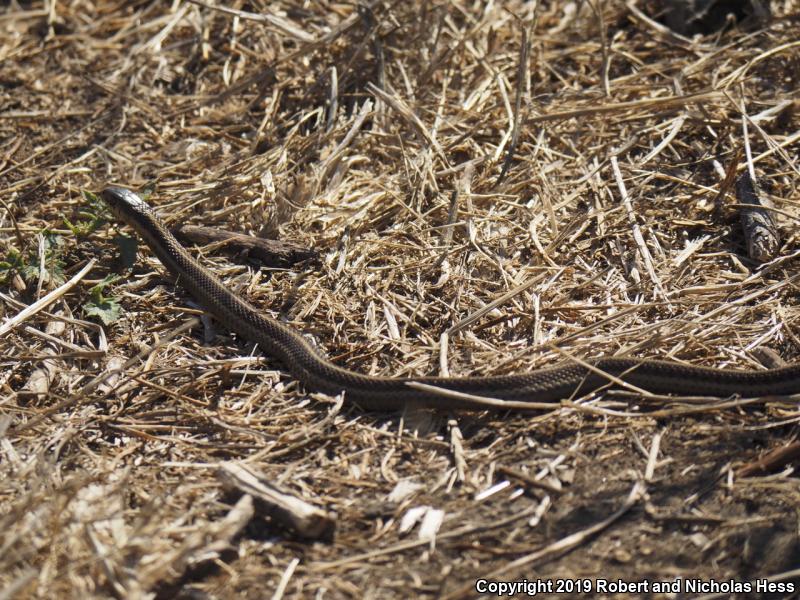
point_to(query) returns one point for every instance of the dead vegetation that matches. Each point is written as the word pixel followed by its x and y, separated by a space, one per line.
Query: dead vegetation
pixel 491 188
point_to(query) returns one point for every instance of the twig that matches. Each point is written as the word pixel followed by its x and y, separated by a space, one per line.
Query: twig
pixel 648 103
pixel 46 301
pixel 272 253
pixel 644 252
pixel 284 25
pixel 772 461
pixel 522 69
pixel 560 547
pixel 300 516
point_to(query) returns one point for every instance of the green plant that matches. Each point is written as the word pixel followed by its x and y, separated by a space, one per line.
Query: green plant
pixel 105 308
pixel 90 218
pixel 29 264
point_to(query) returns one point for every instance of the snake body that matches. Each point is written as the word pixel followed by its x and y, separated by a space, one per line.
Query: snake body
pixel 520 391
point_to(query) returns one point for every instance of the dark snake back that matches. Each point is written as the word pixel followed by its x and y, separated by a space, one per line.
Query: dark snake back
pixel 520 392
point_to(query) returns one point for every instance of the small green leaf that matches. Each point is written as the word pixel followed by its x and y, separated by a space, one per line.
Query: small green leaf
pixel 53 242
pixel 91 218
pixel 107 311
pixel 75 229
pixel 146 191
pixel 107 281
pixel 104 308
pixel 127 250
pixel 97 204
pixel 56 273
pixel 8 266
pixel 29 272
pixel 53 248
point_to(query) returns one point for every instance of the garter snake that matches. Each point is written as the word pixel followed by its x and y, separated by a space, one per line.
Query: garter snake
pixel 520 391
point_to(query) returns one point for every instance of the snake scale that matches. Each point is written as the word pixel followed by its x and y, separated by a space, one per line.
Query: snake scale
pixel 519 392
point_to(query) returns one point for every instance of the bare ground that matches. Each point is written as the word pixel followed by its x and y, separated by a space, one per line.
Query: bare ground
pixel 537 181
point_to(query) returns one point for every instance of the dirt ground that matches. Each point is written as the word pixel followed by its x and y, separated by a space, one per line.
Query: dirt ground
pixel 490 188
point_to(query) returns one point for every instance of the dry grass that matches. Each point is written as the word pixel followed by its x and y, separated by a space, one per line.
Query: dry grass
pixel 378 136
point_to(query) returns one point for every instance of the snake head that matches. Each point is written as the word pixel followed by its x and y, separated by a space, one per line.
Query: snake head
pixel 125 205
pixel 120 200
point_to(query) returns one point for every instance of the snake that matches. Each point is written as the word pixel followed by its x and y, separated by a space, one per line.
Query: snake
pixel 522 391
